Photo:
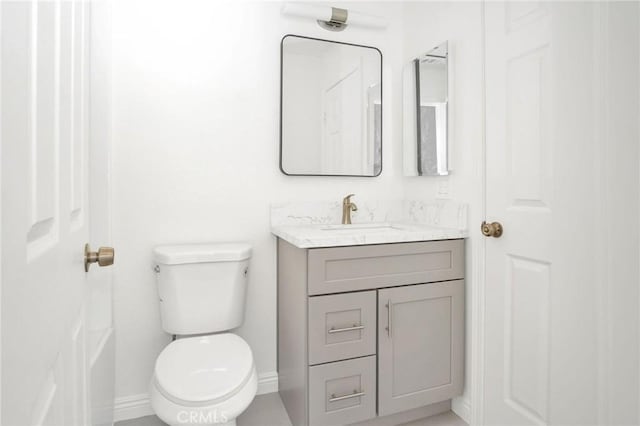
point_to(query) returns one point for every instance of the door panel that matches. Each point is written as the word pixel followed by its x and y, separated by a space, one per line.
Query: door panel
pixel 46 212
pixel 420 345
pixel 519 175
pixel 548 352
pixel 527 335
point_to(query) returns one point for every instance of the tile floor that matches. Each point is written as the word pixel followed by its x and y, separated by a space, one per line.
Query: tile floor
pixel 267 410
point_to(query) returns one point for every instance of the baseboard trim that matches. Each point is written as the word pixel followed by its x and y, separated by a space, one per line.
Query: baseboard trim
pixel 135 406
pixel 132 407
pixel 462 408
pixel 267 383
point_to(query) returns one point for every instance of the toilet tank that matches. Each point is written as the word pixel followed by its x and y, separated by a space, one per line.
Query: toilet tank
pixel 202 287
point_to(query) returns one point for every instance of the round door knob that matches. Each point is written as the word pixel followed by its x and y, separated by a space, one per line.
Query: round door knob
pixel 103 257
pixel 493 229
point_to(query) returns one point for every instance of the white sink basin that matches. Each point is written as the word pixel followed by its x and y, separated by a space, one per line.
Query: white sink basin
pixel 361 227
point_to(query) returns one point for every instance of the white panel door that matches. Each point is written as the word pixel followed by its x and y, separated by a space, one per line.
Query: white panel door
pixel 48 168
pixel 546 352
pixel 519 195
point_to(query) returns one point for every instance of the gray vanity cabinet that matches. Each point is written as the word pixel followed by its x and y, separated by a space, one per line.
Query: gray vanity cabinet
pixel 370 334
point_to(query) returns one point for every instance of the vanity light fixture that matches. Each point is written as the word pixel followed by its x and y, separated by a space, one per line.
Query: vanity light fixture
pixel 333 18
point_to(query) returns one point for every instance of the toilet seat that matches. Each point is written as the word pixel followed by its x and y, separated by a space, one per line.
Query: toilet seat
pixel 223 413
pixel 203 370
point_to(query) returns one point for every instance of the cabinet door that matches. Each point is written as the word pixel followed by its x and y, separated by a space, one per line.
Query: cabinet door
pixel 420 345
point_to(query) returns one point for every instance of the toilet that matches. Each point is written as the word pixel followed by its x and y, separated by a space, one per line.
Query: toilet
pixel 207 375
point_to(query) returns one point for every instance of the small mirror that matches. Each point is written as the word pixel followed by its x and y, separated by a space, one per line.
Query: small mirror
pixel 331 108
pixel 428 142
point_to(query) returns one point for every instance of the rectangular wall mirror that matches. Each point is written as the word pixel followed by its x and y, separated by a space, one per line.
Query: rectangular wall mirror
pixel 330 108
pixel 426 145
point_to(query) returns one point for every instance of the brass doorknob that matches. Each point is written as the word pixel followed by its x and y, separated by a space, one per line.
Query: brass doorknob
pixel 103 257
pixel 493 229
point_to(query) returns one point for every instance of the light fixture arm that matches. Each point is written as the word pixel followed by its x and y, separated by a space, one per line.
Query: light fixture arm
pixel 338 21
pixel 333 18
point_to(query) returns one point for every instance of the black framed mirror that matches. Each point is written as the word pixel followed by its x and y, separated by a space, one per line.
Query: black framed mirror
pixel 330 108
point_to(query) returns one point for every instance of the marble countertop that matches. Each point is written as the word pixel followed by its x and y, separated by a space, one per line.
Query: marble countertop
pixel 325 235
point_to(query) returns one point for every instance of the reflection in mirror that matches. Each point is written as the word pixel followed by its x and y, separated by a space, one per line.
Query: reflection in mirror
pixel 331 108
pixel 431 94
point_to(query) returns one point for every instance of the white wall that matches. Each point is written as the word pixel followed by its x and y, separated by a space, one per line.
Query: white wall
pixel 195 131
pixel 426 25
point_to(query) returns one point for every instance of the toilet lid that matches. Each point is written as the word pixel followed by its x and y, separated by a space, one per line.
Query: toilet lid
pixel 204 368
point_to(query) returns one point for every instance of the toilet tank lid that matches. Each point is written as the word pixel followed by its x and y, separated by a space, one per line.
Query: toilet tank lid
pixel 201 253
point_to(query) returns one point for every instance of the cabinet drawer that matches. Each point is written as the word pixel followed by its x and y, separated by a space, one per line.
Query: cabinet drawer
pixel 342 392
pixel 342 326
pixel 340 269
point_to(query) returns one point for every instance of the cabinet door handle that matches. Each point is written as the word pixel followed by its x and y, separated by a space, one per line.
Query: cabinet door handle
pixel 388 327
pixel 341 330
pixel 355 394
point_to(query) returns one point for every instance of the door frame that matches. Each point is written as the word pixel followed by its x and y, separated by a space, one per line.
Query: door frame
pixel 476 409
pixel 1 153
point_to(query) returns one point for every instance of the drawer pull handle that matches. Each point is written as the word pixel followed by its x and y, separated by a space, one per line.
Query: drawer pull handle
pixel 355 394
pixel 341 330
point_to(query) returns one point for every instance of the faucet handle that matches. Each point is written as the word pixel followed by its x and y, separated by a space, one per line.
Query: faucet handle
pixel 347 199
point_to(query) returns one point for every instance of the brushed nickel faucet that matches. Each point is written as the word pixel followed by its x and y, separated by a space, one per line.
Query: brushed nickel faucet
pixel 347 208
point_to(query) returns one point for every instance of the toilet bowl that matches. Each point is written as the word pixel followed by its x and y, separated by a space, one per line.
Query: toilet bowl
pixel 207 375
pixel 206 380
